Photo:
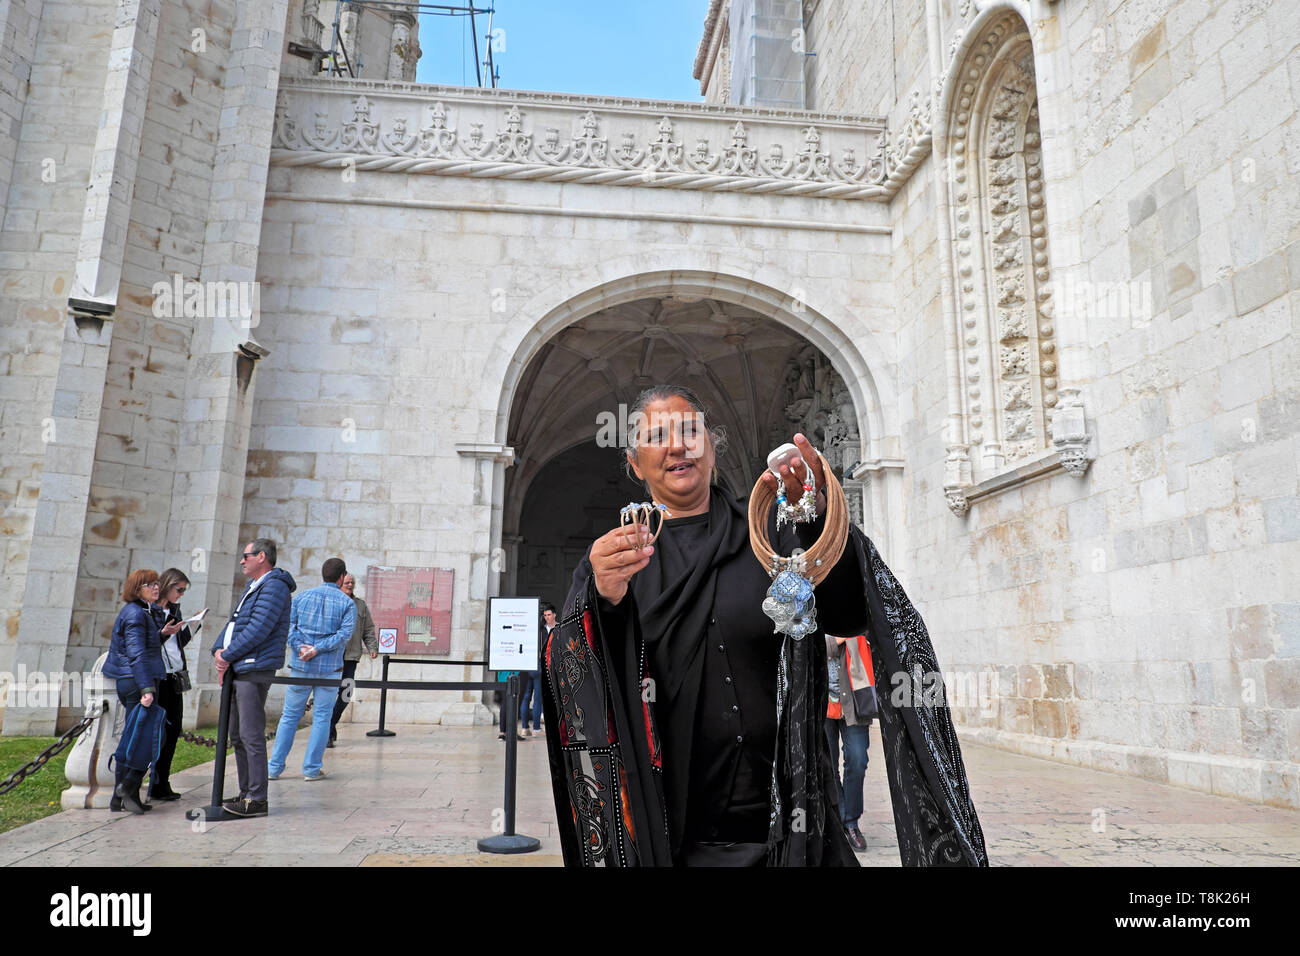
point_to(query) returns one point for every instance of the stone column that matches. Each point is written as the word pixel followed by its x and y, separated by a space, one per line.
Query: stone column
pixel 350 36
pixel 510 562
pixel 18 24
pixel 401 50
pixel 490 463
pixel 208 497
pixel 72 430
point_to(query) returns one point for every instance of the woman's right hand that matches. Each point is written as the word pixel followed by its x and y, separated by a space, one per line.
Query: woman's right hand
pixel 618 555
pixel 146 700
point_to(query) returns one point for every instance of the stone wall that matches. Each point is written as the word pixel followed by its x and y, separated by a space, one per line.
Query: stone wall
pixel 1141 619
pixel 398 309
pixel 52 122
pixel 126 503
pixel 139 447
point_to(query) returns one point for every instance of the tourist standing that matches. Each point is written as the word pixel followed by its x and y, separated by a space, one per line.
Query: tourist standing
pixel 135 662
pixel 172 585
pixel 848 723
pixel 321 623
pixel 251 648
pixel 363 635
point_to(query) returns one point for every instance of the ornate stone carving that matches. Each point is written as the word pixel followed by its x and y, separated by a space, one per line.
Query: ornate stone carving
pixel 853 496
pixel 956 479
pixel 1070 432
pixel 816 401
pixel 958 503
pixel 995 180
pixel 494 133
pixel 313 30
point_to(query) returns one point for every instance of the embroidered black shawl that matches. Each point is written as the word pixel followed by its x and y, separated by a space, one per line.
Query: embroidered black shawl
pixel 607 763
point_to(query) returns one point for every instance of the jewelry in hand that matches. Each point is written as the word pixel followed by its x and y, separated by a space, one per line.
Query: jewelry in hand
pixel 636 513
pixel 802 511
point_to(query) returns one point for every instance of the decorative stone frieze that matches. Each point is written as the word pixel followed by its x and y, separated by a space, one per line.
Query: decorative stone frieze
pixel 456 131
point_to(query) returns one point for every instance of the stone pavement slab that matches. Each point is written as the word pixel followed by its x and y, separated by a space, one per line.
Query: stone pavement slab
pixel 426 796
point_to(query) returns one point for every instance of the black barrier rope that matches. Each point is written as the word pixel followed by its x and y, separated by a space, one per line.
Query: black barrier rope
pixel 385 683
pixel 507 842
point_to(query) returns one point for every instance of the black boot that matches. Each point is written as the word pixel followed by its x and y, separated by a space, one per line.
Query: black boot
pixel 128 791
pixel 161 790
pixel 115 803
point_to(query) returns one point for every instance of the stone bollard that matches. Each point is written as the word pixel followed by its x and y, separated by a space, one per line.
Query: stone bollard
pixel 87 766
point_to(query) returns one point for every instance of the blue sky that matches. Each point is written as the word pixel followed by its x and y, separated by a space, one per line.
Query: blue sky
pixel 639 48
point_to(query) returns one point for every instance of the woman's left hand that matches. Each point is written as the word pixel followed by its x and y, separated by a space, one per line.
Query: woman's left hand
pixel 792 474
pixel 170 629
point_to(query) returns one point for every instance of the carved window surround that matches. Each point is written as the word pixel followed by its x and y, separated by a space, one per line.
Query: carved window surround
pixel 1011 420
pixel 1071 453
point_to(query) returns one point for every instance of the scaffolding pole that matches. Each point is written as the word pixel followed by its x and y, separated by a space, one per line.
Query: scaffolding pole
pixel 416 8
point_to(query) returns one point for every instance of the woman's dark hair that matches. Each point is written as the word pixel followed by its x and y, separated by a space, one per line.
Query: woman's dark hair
pixel 661 393
pixel 168 580
pixel 136 580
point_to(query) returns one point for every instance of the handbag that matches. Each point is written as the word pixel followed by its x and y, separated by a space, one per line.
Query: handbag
pixel 181 679
pixel 865 704
pixel 834 709
pixel 142 737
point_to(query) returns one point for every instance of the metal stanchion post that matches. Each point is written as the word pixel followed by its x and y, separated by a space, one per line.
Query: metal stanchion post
pixel 510 842
pixel 215 811
pixel 383 707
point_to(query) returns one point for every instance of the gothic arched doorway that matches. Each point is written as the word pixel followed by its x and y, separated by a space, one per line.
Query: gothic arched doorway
pixel 760 380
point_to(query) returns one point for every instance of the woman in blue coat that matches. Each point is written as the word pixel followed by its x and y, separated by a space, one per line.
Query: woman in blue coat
pixel 135 660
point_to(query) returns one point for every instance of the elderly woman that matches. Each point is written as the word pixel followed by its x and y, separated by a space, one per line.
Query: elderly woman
pixel 135 660
pixel 682 730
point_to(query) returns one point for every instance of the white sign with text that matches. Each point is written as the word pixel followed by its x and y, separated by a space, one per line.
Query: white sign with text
pixel 512 633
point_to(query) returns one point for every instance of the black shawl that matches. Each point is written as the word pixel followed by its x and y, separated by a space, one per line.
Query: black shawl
pixel 607 765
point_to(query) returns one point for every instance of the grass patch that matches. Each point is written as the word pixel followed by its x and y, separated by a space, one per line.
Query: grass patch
pixel 38 795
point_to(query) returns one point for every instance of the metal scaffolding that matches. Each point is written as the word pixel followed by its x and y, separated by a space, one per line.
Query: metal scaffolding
pixel 767 54
pixel 339 61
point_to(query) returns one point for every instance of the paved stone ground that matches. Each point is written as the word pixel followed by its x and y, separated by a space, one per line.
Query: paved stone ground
pixel 426 796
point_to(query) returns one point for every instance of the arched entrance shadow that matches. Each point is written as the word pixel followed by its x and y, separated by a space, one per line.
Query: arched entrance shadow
pixel 820 324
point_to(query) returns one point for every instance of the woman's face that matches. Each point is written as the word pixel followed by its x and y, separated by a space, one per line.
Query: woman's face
pixel 674 455
pixel 173 595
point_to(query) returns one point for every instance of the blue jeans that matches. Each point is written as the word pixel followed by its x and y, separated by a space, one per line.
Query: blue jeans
pixel 856 740
pixel 295 702
pixel 530 698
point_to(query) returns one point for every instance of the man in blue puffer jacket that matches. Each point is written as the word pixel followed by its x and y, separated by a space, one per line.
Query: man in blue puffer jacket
pixel 251 649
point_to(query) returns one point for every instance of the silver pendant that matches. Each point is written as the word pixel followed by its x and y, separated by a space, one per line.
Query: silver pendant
pixel 790 605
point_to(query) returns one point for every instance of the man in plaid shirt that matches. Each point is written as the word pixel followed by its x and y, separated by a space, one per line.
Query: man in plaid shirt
pixel 319 627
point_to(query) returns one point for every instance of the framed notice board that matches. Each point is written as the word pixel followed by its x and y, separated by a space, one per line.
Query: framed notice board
pixel 513 623
pixel 411 608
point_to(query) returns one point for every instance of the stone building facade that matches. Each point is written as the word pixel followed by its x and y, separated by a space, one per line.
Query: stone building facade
pixel 1030 268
